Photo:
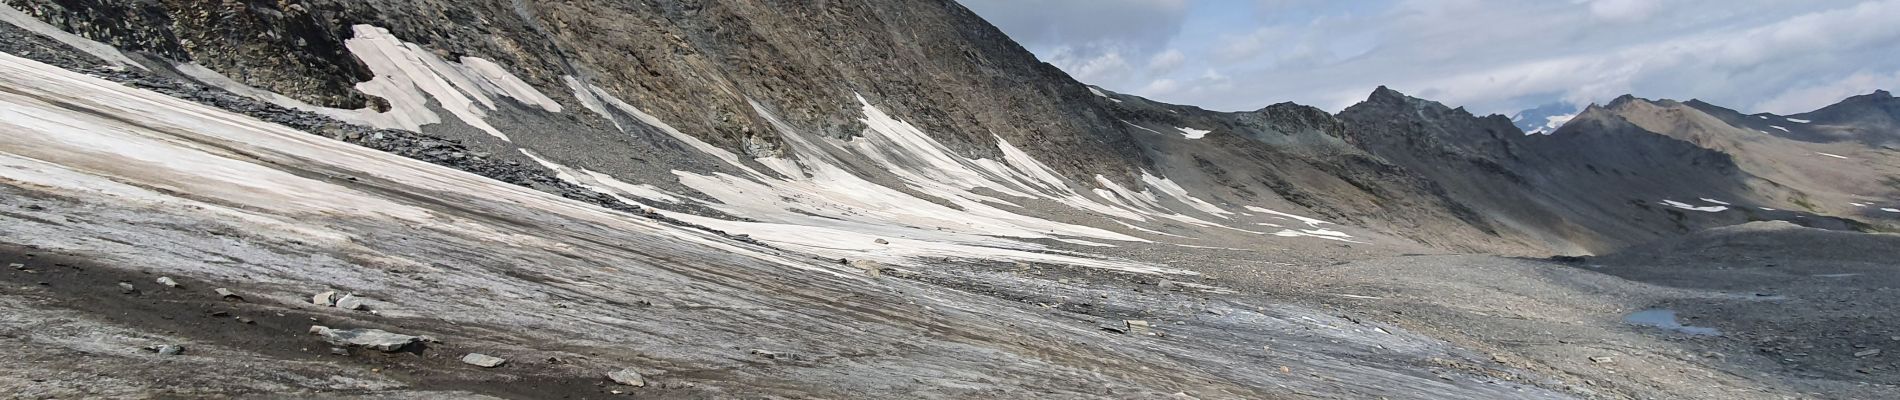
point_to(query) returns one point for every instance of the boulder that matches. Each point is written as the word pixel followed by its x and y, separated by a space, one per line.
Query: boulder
pixel 352 302
pixel 627 377
pixel 374 339
pixel 326 299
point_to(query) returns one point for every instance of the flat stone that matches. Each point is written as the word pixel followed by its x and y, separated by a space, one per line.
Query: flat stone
pixel 126 287
pixel 627 377
pixel 168 282
pixel 17 266
pixel 1867 353
pixel 227 294
pixel 1138 327
pixel 1602 359
pixel 352 302
pixel 374 339
pixel 326 299
pixel 483 360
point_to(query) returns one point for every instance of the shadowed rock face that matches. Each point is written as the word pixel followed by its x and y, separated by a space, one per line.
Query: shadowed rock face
pixel 695 64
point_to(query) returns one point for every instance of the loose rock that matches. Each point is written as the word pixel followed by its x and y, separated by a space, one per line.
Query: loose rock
pixel 483 360
pixel 227 294
pixel 1867 353
pixel 871 268
pixel 1138 327
pixel 126 288
pixel 1603 359
pixel 17 266
pixel 374 339
pixel 627 377
pixel 167 349
pixel 168 282
pixel 352 302
pixel 882 241
pixel 326 299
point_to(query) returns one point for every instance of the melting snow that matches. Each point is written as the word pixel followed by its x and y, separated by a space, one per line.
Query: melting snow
pixel 1833 155
pixel 1714 201
pixel 1798 121
pixel 1891 210
pixel 1778 127
pixel 409 76
pixel 1686 206
pixel 1308 221
pixel 1192 133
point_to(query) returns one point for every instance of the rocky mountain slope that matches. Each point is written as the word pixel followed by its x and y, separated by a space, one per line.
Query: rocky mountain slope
pixel 758 198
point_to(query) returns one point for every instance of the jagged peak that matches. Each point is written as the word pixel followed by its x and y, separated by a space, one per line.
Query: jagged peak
pixel 1384 94
pixel 1624 100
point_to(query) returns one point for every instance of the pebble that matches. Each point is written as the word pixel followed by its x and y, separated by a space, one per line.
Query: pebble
pixel 627 377
pixel 168 282
pixel 167 349
pixel 126 288
pixel 882 241
pixel 483 360
pixel 1603 359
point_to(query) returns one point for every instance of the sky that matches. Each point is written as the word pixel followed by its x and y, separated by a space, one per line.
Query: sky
pixel 1492 56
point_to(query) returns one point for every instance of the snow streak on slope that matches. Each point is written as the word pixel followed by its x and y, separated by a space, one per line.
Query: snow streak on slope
pixel 181 147
pixel 1686 206
pixel 409 77
pixel 813 204
pixel 405 73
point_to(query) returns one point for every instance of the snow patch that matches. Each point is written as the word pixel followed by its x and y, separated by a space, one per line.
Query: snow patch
pixel 1714 201
pixel 1778 127
pixel 1311 222
pixel 1833 155
pixel 1798 121
pixel 1192 133
pixel 1686 206
pixel 1891 210
pixel 408 76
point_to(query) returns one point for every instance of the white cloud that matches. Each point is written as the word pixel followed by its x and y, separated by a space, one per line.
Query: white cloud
pixel 1809 98
pixel 1162 86
pixel 1489 55
pixel 1623 11
pixel 1167 61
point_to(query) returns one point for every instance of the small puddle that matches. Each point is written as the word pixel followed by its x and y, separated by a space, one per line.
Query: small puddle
pixel 1666 319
